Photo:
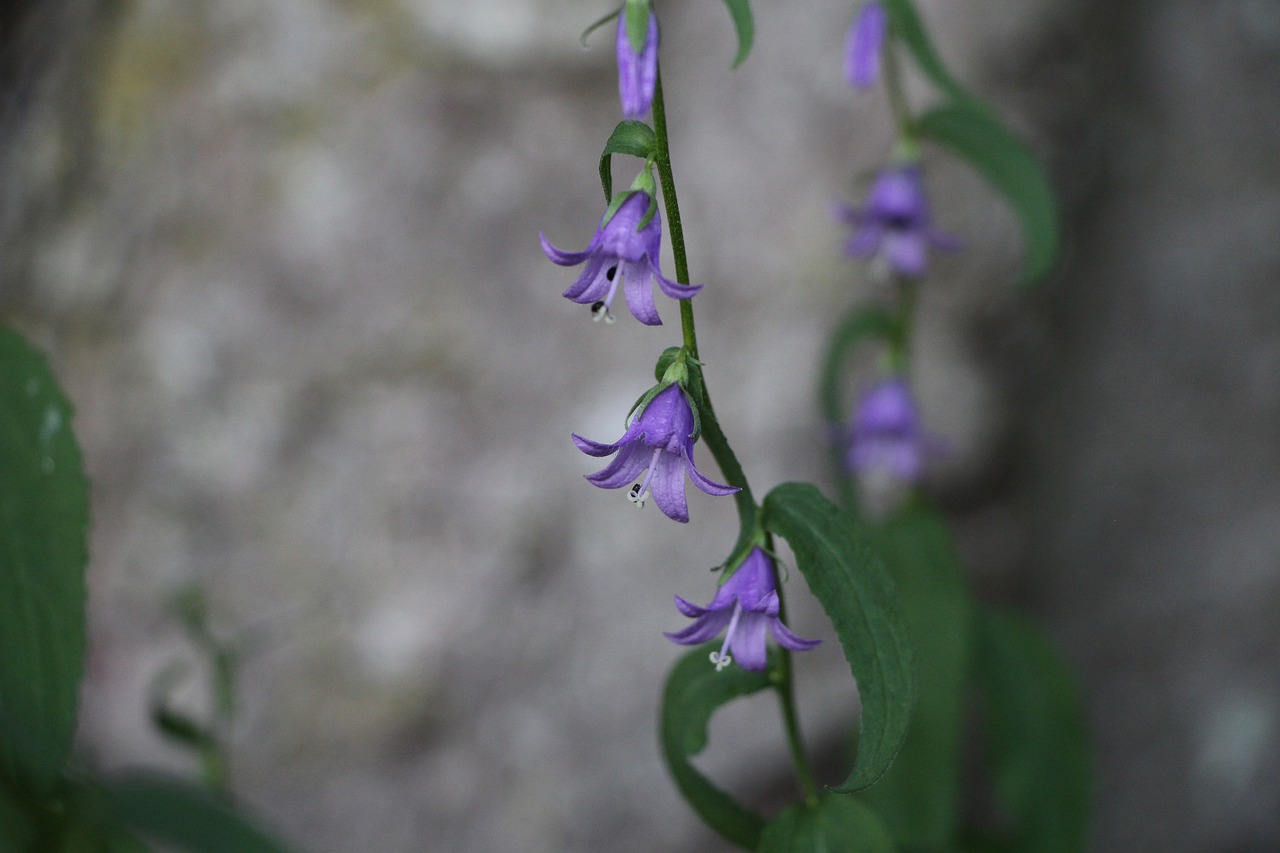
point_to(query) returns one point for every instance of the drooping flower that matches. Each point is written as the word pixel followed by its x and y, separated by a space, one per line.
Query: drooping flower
pixel 896 223
pixel 886 436
pixel 744 607
pixel 863 46
pixel 657 445
pixel 637 71
pixel 621 251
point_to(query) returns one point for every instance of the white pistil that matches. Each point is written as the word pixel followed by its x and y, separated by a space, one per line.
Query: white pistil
pixel 721 659
pixel 640 491
pixel 600 311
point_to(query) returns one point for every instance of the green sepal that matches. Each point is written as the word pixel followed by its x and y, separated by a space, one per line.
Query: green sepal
pixel 1037 743
pixel 858 595
pixel 745 25
pixel 44 513
pixel 637 23
pixel 693 692
pixel 629 137
pixel 582 39
pixel 1011 168
pixel 665 360
pixel 836 823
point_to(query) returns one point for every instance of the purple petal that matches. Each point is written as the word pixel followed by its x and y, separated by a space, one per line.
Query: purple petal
pixel 637 286
pixel 865 240
pixel 690 609
pixel 752 582
pixel 563 258
pixel 592 284
pixel 788 640
pixel 711 487
pixel 747 642
pixel 905 251
pixel 637 72
pixel 667 487
pixel 674 289
pixel 863 46
pixel 624 469
pixel 699 632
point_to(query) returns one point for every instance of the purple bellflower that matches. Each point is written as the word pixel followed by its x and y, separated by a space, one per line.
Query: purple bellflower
pixel 863 46
pixel 745 605
pixel 658 444
pixel 886 437
pixel 621 251
pixel 637 71
pixel 896 224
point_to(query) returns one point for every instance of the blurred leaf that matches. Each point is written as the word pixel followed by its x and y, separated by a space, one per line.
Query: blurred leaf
pixel 1035 734
pixel 693 693
pixel 905 24
pixel 858 595
pixel 1011 168
pixel 745 25
pixel 17 832
pixel 919 798
pixel 44 513
pixel 837 824
pixel 184 816
pixel 629 137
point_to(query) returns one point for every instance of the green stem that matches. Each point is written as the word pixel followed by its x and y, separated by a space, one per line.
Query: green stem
pixel 907 132
pixel 713 436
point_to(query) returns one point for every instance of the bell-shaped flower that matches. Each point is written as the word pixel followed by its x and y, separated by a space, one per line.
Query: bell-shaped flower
pixel 896 225
pixel 637 70
pixel 864 45
pixel 744 607
pixel 622 250
pixel 886 437
pixel 655 453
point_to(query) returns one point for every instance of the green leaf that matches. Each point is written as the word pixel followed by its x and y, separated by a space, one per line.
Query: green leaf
pixel 629 137
pixel 16 829
pixel 1035 734
pixel 905 24
pixel 1011 168
pixel 858 595
pixel 919 797
pixel 693 693
pixel 44 513
pixel 740 11
pixel 184 816
pixel 837 824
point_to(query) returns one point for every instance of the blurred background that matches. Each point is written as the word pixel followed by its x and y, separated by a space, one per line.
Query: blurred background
pixel 284 257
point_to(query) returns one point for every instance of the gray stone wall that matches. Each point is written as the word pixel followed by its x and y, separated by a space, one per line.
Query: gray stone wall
pixel 285 258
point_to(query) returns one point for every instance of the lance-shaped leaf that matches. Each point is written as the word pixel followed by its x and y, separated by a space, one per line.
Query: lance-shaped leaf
pixel 740 11
pixel 859 597
pixel 1011 168
pixel 905 24
pixel 1035 734
pixel 629 137
pixel 44 512
pixel 695 689
pixel 919 798
pixel 837 823
pixel 183 817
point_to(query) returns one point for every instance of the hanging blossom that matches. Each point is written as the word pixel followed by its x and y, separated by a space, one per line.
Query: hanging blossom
pixel 637 70
pixel 744 607
pixel 886 436
pixel 621 251
pixel 864 45
pixel 895 225
pixel 657 451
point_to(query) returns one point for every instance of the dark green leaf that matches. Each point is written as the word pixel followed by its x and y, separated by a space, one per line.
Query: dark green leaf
pixel 17 832
pixel 837 824
pixel 919 797
pixel 185 816
pixel 693 693
pixel 740 11
pixel 905 24
pixel 1009 166
pixel 1035 733
pixel 43 516
pixel 858 595
pixel 629 137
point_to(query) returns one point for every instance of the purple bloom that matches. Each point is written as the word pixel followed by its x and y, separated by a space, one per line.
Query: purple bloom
pixel 745 605
pixel 637 72
pixel 886 435
pixel 896 223
pixel 621 251
pixel 863 46
pixel 659 445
